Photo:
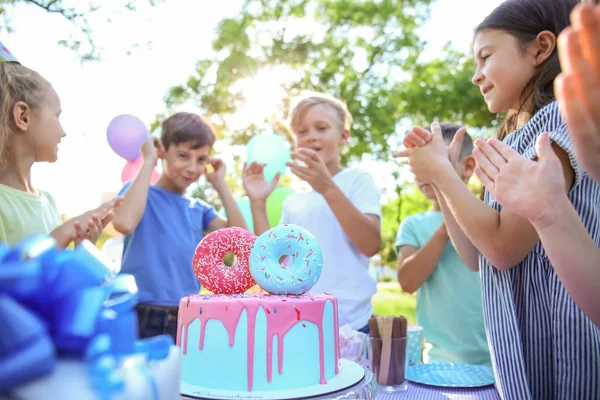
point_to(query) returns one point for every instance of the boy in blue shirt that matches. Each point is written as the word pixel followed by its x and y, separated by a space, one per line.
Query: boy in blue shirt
pixel 163 226
pixel 449 305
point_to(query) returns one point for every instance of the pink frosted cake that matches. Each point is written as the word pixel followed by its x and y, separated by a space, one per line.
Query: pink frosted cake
pixel 258 342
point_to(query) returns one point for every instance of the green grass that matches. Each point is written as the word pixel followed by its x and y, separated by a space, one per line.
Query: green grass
pixel 390 300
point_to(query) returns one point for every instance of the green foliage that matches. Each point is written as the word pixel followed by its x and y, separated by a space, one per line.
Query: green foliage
pixel 364 52
pixel 441 90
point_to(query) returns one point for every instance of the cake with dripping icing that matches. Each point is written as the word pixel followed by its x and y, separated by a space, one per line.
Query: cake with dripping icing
pixel 258 341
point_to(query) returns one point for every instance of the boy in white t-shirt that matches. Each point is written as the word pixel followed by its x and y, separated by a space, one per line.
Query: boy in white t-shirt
pixel 342 210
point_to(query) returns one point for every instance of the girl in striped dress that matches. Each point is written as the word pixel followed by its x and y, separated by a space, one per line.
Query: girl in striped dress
pixel 542 345
pixel 532 189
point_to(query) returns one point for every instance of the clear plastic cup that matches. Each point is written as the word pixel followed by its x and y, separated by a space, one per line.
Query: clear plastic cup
pixel 387 358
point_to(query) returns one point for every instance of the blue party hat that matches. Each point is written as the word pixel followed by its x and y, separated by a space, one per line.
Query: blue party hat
pixel 6 55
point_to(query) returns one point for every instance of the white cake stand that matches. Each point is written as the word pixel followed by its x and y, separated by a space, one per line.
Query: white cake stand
pixel 353 382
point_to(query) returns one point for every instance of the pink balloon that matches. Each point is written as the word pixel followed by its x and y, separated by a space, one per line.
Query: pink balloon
pixel 131 169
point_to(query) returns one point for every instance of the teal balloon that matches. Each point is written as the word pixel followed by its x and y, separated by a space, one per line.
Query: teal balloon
pixel 271 149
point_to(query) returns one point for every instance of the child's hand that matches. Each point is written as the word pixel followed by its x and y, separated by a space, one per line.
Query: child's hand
pixel 578 87
pixel 526 187
pixel 433 156
pixel 105 210
pixel 150 150
pixel 419 137
pixel 104 213
pixel 253 179
pixel 217 176
pixel 89 225
pixel 92 232
pixel 315 172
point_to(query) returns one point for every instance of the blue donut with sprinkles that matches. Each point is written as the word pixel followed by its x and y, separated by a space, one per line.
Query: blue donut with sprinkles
pixel 302 260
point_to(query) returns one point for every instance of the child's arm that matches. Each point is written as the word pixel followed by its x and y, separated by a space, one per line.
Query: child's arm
pixel 503 237
pixel 537 196
pixel 415 265
pixel 463 245
pixel 129 213
pixel 574 256
pixel 363 230
pixel 234 214
pixel 258 190
pixel 467 252
pixel 260 218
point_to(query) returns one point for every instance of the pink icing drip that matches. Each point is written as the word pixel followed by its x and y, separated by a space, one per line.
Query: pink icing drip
pixel 217 311
pixel 321 356
pixel 270 356
pixel 336 337
pixel 178 338
pixel 279 356
pixel 279 321
pixel 202 330
pixel 185 341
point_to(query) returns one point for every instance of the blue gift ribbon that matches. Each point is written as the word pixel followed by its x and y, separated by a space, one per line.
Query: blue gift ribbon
pixel 26 350
pixel 68 302
pixel 75 319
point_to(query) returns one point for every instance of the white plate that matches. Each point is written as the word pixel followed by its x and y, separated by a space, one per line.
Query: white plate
pixel 350 374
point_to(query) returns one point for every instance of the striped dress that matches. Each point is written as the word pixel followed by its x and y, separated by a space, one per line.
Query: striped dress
pixel 542 345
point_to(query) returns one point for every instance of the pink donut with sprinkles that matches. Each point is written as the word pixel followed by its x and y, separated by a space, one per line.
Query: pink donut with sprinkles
pixel 208 261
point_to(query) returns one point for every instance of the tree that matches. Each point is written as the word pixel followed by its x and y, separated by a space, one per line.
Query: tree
pixel 82 40
pixel 441 89
pixel 365 52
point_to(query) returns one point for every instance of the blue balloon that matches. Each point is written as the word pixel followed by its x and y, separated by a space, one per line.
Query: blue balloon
pixel 271 149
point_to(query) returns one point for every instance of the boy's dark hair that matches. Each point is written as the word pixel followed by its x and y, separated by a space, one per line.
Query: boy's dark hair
pixel 448 132
pixel 187 127
pixel 525 19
